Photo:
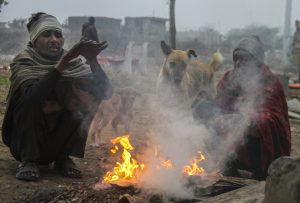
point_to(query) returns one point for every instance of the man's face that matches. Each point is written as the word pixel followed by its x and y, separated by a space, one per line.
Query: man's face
pixel 49 44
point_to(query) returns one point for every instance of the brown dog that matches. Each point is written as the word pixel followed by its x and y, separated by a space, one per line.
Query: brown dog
pixel 185 76
pixel 117 110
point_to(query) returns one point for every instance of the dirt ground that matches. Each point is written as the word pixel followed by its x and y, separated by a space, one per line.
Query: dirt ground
pixel 93 165
pixel 13 190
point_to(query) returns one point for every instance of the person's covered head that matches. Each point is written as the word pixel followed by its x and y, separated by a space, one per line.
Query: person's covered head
pixel 249 51
pixel 248 58
pixel 91 20
pixel 45 34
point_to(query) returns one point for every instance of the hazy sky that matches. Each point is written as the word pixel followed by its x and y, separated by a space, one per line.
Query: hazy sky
pixel 190 14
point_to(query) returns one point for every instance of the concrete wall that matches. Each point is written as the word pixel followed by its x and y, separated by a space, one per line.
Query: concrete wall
pixel 137 29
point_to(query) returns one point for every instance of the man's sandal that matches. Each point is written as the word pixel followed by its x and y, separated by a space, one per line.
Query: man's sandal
pixel 28 171
pixel 67 168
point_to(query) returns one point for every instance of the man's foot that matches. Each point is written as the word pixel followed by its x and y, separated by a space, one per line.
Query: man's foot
pixel 67 168
pixel 28 171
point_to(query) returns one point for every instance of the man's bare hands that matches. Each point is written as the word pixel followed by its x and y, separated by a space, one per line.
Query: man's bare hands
pixel 87 48
pixel 91 49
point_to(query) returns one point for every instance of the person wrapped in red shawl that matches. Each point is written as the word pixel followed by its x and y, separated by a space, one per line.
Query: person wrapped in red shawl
pixel 251 112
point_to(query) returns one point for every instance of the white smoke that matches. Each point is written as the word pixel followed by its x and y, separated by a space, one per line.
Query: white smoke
pixel 248 79
pixel 177 137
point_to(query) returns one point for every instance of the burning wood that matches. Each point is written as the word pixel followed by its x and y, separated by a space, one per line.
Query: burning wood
pixel 129 172
pixel 167 163
pixel 123 174
pixel 194 169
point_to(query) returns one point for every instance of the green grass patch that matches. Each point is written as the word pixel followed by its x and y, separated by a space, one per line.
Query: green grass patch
pixel 4 80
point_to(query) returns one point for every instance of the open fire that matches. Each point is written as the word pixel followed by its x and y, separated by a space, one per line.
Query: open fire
pixel 193 168
pixel 126 172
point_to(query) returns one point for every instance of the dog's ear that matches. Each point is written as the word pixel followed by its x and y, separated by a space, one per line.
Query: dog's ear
pixel 191 52
pixel 166 49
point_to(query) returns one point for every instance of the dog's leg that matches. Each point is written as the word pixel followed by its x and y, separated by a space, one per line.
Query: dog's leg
pixel 127 126
pixel 114 125
pixel 97 140
pixel 94 143
pixel 93 131
pixel 93 138
pixel 102 125
pixel 126 120
pixel 98 127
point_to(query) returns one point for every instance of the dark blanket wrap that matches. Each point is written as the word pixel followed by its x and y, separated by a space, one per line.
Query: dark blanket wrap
pixel 34 135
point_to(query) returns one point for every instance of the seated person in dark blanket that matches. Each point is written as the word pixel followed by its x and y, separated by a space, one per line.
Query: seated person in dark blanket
pixel 250 104
pixel 51 99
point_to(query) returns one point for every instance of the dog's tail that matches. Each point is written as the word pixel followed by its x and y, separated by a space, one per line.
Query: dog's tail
pixel 216 60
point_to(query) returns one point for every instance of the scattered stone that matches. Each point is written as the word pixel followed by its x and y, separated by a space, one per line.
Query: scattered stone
pixel 283 182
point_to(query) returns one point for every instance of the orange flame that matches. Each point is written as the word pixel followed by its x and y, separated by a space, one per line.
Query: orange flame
pixel 123 172
pixel 167 163
pixel 193 168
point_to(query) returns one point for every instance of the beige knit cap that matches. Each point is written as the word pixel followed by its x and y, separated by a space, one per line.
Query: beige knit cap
pixel 40 22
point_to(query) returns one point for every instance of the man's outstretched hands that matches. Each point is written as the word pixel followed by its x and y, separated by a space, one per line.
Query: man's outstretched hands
pixel 87 48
